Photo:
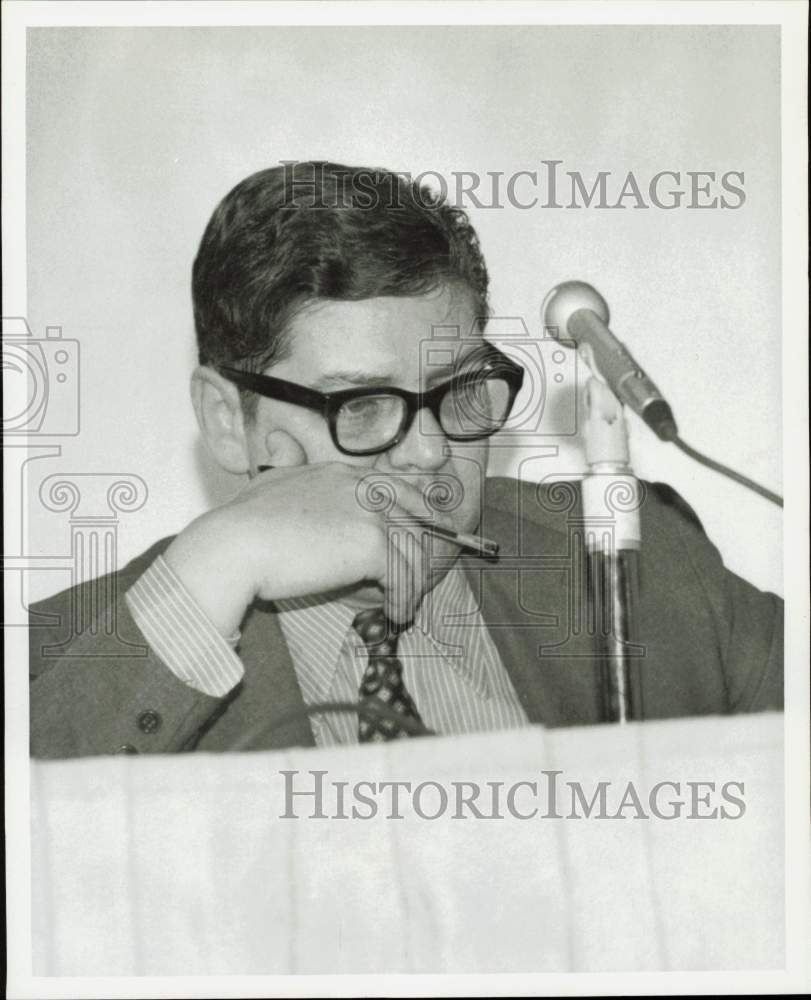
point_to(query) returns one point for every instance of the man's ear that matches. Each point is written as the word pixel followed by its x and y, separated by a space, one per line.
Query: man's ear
pixel 219 413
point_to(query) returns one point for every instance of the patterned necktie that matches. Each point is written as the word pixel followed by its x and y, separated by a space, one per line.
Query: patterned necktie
pixel 383 679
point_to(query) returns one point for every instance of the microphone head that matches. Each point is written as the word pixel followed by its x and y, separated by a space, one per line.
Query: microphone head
pixel 564 301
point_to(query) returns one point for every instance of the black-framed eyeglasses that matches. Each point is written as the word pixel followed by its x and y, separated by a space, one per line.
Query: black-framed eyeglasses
pixel 371 419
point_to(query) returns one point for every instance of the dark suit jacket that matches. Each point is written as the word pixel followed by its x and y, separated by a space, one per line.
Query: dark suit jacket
pixel 712 642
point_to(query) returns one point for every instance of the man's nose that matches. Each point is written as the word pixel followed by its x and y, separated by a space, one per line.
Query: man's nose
pixel 423 448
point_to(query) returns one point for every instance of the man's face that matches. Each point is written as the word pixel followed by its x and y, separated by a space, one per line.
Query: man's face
pixel 381 341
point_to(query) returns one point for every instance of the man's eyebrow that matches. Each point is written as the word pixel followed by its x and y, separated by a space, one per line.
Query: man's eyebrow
pixel 436 373
pixel 352 378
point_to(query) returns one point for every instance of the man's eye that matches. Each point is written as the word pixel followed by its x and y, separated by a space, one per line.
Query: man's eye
pixel 365 408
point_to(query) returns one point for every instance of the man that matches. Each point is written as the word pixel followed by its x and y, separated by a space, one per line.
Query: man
pixel 265 621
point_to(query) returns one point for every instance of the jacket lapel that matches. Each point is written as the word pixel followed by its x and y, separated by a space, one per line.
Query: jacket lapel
pixel 529 601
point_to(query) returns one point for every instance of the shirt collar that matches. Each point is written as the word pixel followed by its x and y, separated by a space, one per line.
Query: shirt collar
pixel 316 629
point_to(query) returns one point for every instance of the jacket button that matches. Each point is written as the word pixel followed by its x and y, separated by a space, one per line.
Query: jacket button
pixel 126 748
pixel 149 721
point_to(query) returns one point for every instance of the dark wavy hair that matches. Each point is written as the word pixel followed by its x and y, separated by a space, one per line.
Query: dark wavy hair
pixel 305 231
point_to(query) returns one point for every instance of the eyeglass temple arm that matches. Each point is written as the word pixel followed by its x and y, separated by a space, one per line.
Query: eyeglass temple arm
pixel 277 388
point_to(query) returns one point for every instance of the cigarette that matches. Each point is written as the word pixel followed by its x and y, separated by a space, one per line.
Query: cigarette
pixel 483 546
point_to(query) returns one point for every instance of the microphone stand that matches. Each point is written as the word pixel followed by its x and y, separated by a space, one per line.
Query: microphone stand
pixel 611 500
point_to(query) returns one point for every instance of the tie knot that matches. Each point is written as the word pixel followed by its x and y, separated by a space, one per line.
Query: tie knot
pixel 374 628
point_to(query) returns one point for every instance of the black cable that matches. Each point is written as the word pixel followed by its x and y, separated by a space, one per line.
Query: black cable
pixel 726 471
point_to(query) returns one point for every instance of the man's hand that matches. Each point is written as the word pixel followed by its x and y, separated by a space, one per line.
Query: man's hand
pixel 302 530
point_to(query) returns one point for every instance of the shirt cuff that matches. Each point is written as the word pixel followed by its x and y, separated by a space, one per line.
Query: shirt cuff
pixel 181 634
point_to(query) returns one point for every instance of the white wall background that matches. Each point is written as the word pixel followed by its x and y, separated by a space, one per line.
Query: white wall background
pixel 133 135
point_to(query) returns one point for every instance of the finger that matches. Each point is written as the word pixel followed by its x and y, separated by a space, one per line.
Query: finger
pixel 426 500
pixel 399 575
pixel 422 555
pixel 407 580
pixel 393 576
pixel 400 587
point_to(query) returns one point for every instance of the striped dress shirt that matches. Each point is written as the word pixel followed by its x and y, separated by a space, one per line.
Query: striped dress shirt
pixel 450 665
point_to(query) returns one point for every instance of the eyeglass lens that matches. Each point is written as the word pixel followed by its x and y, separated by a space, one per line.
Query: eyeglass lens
pixel 473 408
pixel 369 421
pixel 476 408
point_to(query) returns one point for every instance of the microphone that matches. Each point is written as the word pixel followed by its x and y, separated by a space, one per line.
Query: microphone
pixel 579 313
